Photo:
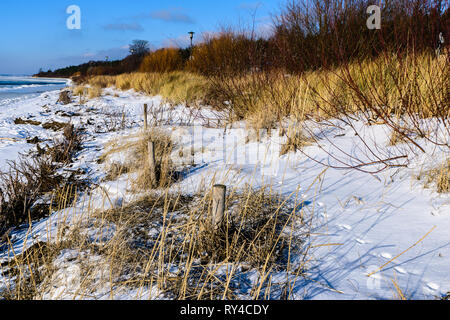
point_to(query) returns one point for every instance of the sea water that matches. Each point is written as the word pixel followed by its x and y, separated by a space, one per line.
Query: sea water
pixel 15 91
pixel 14 88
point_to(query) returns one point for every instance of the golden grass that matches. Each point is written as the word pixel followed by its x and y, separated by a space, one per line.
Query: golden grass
pixel 183 258
pixel 94 92
pixel 296 140
pixel 174 87
pixel 415 84
pixel 79 90
pixel 439 177
pixel 89 92
pixel 398 292
pixel 134 147
pixel 443 179
pixel 396 138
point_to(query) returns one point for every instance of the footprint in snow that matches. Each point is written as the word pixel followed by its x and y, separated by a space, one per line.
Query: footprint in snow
pixel 344 227
pixel 432 286
pixel 400 270
pixel 386 255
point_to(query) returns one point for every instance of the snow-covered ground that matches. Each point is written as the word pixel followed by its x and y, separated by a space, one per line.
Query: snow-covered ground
pixel 361 221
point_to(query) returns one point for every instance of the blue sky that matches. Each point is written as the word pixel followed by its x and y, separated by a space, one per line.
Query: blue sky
pixel 33 34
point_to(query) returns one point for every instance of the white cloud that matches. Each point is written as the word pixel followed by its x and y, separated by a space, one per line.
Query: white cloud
pixel 176 14
pixel 124 27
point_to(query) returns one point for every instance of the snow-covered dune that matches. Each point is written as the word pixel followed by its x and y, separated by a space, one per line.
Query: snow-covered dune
pixel 361 222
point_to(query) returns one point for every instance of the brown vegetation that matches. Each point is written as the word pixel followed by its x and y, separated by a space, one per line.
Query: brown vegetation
pixel 29 179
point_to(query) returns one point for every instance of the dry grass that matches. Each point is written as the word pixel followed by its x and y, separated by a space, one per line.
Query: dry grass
pixel 175 87
pixel 94 92
pixel 415 84
pixel 21 187
pixel 115 170
pixel 54 125
pixel 135 149
pixel 398 295
pixel 251 233
pixel 439 177
pixel 164 242
pixel 396 138
pixel 79 91
pixel 89 92
pixel 384 88
pixel 29 179
pixel 296 140
pixel 65 148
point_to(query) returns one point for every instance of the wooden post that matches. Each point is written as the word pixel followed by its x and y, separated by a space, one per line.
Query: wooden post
pixel 145 117
pixel 123 121
pixel 152 163
pixel 218 207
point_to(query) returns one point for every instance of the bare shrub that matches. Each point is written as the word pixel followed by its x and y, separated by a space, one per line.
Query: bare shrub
pixel 229 52
pixel 112 121
pixel 324 34
pixel 28 179
pixel 22 186
pixel 64 149
pixel 64 97
pixel 162 60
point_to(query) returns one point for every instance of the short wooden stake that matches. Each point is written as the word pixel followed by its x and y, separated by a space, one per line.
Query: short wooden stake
pixel 152 163
pixel 218 207
pixel 145 117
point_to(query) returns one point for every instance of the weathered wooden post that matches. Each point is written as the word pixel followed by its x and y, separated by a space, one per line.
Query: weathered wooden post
pixel 145 117
pixel 218 206
pixel 152 163
pixel 123 121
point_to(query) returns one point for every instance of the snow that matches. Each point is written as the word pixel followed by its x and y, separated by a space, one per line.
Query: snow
pixel 361 221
